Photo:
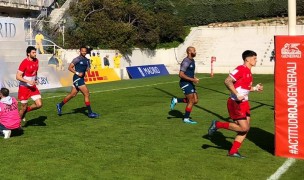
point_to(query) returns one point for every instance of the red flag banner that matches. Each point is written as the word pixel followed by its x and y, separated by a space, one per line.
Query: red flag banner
pixel 289 96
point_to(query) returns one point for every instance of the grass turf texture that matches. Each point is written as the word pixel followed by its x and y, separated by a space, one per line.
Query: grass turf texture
pixel 137 137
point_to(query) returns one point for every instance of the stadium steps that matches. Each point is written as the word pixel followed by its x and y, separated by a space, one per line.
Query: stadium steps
pixel 57 14
pixel 13 45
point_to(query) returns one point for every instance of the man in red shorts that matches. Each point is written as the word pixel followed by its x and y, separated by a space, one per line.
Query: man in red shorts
pixel 239 83
pixel 27 75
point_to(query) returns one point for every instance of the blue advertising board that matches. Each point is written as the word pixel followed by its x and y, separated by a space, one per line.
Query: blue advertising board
pixel 136 72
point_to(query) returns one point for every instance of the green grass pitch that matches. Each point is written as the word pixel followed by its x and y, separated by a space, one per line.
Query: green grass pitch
pixel 138 137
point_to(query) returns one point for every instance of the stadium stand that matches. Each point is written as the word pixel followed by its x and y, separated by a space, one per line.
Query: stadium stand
pixel 228 43
pixel 25 17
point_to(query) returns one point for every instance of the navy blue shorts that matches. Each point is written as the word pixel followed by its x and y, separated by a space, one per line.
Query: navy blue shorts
pixel 78 81
pixel 187 87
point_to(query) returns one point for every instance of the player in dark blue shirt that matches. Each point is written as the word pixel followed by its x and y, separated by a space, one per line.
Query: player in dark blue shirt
pixel 79 66
pixel 186 83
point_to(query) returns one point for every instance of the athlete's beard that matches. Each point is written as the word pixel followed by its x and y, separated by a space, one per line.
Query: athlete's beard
pixel 193 54
pixel 33 57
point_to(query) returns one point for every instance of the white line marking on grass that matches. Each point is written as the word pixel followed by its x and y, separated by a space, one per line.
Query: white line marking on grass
pixel 289 162
pixel 118 89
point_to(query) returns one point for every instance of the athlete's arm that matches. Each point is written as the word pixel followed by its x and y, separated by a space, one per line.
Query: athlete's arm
pixel 72 69
pixel 229 84
pixel 20 78
pixel 184 76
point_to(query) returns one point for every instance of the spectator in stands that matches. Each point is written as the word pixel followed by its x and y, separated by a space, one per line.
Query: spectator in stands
pixel 272 57
pixel 89 50
pixel 106 62
pixel 39 38
pixel 9 114
pixel 98 61
pixel 93 61
pixel 116 60
pixel 60 62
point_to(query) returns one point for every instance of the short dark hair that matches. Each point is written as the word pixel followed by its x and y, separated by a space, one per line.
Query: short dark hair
pixel 248 53
pixel 81 47
pixel 4 92
pixel 30 49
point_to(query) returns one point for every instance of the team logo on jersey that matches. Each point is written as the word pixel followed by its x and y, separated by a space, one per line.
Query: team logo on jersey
pixel 80 62
pixel 291 50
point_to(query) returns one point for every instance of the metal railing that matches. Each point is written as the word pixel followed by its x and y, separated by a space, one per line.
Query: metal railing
pixel 39 3
pixel 49 44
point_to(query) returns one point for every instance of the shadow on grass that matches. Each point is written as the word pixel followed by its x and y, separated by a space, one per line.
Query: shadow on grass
pixel 218 116
pixel 175 114
pixel 178 114
pixel 17 132
pixel 81 110
pixel 262 138
pixel 219 140
pixel 259 137
pixel 39 121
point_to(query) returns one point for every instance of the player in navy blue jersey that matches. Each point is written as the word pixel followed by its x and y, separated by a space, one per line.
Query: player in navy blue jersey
pixel 79 66
pixel 186 83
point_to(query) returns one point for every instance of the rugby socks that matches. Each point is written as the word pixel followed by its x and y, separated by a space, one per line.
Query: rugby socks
pixel 222 125
pixel 182 100
pixel 28 109
pixel 88 104
pixel 235 147
pixel 187 113
pixel 62 103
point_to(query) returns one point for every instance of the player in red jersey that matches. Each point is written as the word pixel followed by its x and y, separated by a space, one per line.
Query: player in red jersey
pixel 27 75
pixel 239 82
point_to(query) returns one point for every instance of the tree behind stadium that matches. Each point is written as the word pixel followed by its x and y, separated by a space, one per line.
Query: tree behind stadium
pixel 120 24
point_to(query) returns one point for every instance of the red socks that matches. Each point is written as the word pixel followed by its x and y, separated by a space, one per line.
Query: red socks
pixel 223 125
pixel 28 109
pixel 64 101
pixel 235 147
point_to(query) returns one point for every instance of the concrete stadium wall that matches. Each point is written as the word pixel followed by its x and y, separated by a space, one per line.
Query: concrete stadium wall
pixel 225 43
pixel 228 43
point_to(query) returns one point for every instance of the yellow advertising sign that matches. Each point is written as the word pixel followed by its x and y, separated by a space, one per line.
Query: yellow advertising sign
pixel 100 76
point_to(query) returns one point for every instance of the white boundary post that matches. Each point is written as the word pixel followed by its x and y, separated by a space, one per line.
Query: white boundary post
pixel 292 17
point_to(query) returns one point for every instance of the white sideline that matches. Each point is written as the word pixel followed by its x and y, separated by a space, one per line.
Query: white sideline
pixel 116 89
pixel 289 162
pixel 123 88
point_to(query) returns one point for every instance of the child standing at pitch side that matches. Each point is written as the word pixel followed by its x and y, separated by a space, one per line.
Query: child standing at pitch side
pixel 239 83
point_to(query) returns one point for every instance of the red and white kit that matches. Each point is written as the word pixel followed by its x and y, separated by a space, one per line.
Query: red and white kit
pixel 243 82
pixel 29 69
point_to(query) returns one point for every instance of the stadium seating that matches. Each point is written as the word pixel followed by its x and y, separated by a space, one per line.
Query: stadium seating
pixel 228 43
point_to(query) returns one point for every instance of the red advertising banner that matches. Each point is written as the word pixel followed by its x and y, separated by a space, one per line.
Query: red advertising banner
pixel 289 96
